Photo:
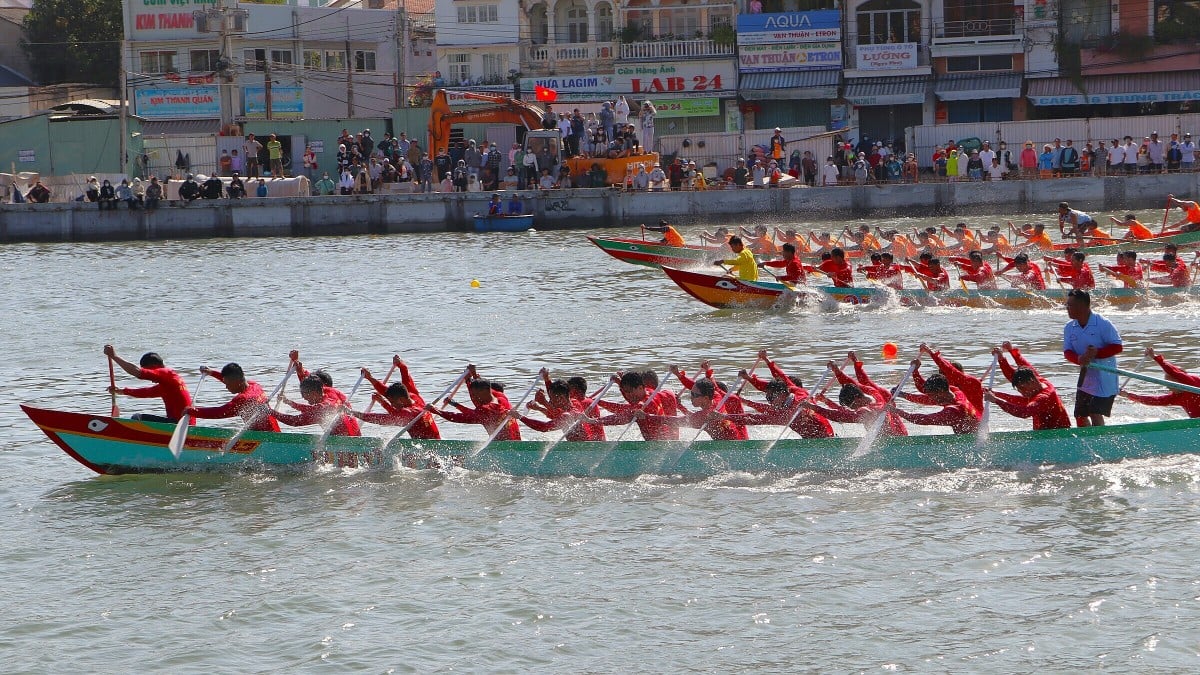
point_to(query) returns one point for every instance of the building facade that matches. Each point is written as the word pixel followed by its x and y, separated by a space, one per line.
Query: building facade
pixel 477 41
pixel 312 62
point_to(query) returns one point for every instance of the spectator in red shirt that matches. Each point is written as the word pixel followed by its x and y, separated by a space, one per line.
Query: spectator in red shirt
pixel 249 400
pixel 168 385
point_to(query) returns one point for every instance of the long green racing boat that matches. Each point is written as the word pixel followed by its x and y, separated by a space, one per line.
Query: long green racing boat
pixel 109 445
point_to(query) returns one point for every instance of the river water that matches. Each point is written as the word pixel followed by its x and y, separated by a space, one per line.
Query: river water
pixel 1054 569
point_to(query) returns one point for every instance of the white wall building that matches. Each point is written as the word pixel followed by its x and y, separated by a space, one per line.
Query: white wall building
pixel 321 62
pixel 477 41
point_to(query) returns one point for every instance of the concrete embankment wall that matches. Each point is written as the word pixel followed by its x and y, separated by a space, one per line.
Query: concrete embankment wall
pixel 563 209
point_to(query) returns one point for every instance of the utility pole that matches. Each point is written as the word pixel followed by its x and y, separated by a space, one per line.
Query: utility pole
pixel 267 88
pixel 349 73
pixel 124 113
pixel 402 54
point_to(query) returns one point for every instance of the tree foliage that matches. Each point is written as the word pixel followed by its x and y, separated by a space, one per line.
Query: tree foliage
pixel 74 41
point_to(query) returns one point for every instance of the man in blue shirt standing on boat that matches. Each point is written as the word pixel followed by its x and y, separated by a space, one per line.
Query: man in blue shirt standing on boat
pixel 1090 338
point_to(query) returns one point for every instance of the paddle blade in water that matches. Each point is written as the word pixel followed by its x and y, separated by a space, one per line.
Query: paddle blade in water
pixel 179 436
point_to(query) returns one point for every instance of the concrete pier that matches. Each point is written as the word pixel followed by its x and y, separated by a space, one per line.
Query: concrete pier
pixel 564 209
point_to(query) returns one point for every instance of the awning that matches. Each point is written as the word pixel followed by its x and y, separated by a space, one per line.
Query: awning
pixel 790 85
pixel 901 90
pixel 180 127
pixel 1107 89
pixel 970 87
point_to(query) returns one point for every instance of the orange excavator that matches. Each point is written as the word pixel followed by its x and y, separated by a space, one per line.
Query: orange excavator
pixel 517 112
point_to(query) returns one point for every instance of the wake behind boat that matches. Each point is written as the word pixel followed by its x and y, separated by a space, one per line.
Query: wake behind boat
pixel 109 445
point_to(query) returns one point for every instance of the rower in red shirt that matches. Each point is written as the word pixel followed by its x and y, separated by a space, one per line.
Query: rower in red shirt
pixel 563 412
pixel 334 395
pixel 1028 276
pixel 401 403
pixel 490 411
pixel 1128 270
pixel 708 417
pixel 783 405
pixel 249 401
pixel 638 399
pixel 1188 401
pixel 665 398
pixel 840 273
pixel 318 410
pixel 973 268
pixel 1037 397
pixel 793 269
pixel 956 412
pixel 1077 273
pixel 168 386
pixel 733 404
pixel 937 279
pixel 970 386
pixel 855 406
pixel 1177 274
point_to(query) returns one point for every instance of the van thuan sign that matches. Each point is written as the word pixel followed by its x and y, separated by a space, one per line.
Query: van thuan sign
pixel 1105 99
pixel 887 57
pixel 780 57
pixel 178 102
pixel 819 26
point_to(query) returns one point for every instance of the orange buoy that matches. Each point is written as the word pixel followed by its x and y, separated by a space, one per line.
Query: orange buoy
pixel 890 350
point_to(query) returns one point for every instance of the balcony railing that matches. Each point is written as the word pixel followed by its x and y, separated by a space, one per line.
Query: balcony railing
pixel 571 52
pixel 673 49
pixel 974 28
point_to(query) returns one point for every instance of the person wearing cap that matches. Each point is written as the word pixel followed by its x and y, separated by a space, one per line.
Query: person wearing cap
pixel 671 236
pixel 189 191
pixel 1156 151
pixel 1189 153
pixel 777 145
pixel 741 175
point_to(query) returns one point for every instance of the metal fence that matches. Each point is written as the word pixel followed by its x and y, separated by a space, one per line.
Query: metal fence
pixel 176 156
pixel 724 148
pixel 926 138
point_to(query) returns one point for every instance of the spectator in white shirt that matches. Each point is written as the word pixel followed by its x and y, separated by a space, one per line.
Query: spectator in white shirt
pixel 995 171
pixel 1116 157
pixel 829 172
pixel 1189 152
pixel 986 154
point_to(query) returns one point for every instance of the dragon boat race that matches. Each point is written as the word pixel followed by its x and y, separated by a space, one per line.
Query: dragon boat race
pixel 855 458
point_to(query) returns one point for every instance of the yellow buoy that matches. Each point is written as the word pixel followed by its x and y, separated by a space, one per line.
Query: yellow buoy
pixel 475 283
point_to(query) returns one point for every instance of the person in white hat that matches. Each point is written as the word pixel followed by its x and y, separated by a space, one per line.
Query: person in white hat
pixel 1189 153
pixel 778 145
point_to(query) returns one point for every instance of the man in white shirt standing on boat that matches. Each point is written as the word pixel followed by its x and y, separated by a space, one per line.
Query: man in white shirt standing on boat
pixel 1090 338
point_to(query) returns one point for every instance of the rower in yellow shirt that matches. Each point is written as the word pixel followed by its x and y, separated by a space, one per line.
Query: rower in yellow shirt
pixel 744 265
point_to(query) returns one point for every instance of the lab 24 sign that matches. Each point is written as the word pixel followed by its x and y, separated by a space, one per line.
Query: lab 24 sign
pixel 679 78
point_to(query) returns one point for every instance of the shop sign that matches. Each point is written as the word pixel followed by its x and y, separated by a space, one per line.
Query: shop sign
pixel 888 56
pixel 163 19
pixel 286 102
pixel 677 79
pixel 687 107
pixel 178 103
pixel 1111 99
pixel 779 57
pixel 819 26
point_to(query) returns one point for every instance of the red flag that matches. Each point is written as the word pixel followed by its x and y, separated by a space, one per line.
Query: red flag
pixel 544 94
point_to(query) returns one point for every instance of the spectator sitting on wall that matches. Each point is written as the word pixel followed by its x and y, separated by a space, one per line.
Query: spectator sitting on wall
pixel 212 188
pixel 261 190
pixel 38 194
pixel 236 189
pixel 325 186
pixel 91 191
pixel 154 193
pixel 346 182
pixel 125 194
pixel 108 196
pixel 139 191
pixel 189 190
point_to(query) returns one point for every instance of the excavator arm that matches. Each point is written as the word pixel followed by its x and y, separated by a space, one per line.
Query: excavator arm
pixel 502 110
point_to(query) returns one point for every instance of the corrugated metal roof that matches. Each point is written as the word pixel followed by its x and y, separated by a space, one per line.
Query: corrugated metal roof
pixel 967 87
pixel 904 89
pixel 1117 84
pixel 790 85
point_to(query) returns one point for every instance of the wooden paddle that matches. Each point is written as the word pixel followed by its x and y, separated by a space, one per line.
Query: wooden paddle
pixel 1166 214
pixel 112 388
pixel 591 407
pixel 725 396
pixel 1142 362
pixel 1175 386
pixel 981 434
pixel 333 420
pixel 869 439
pixel 179 436
pixel 274 392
